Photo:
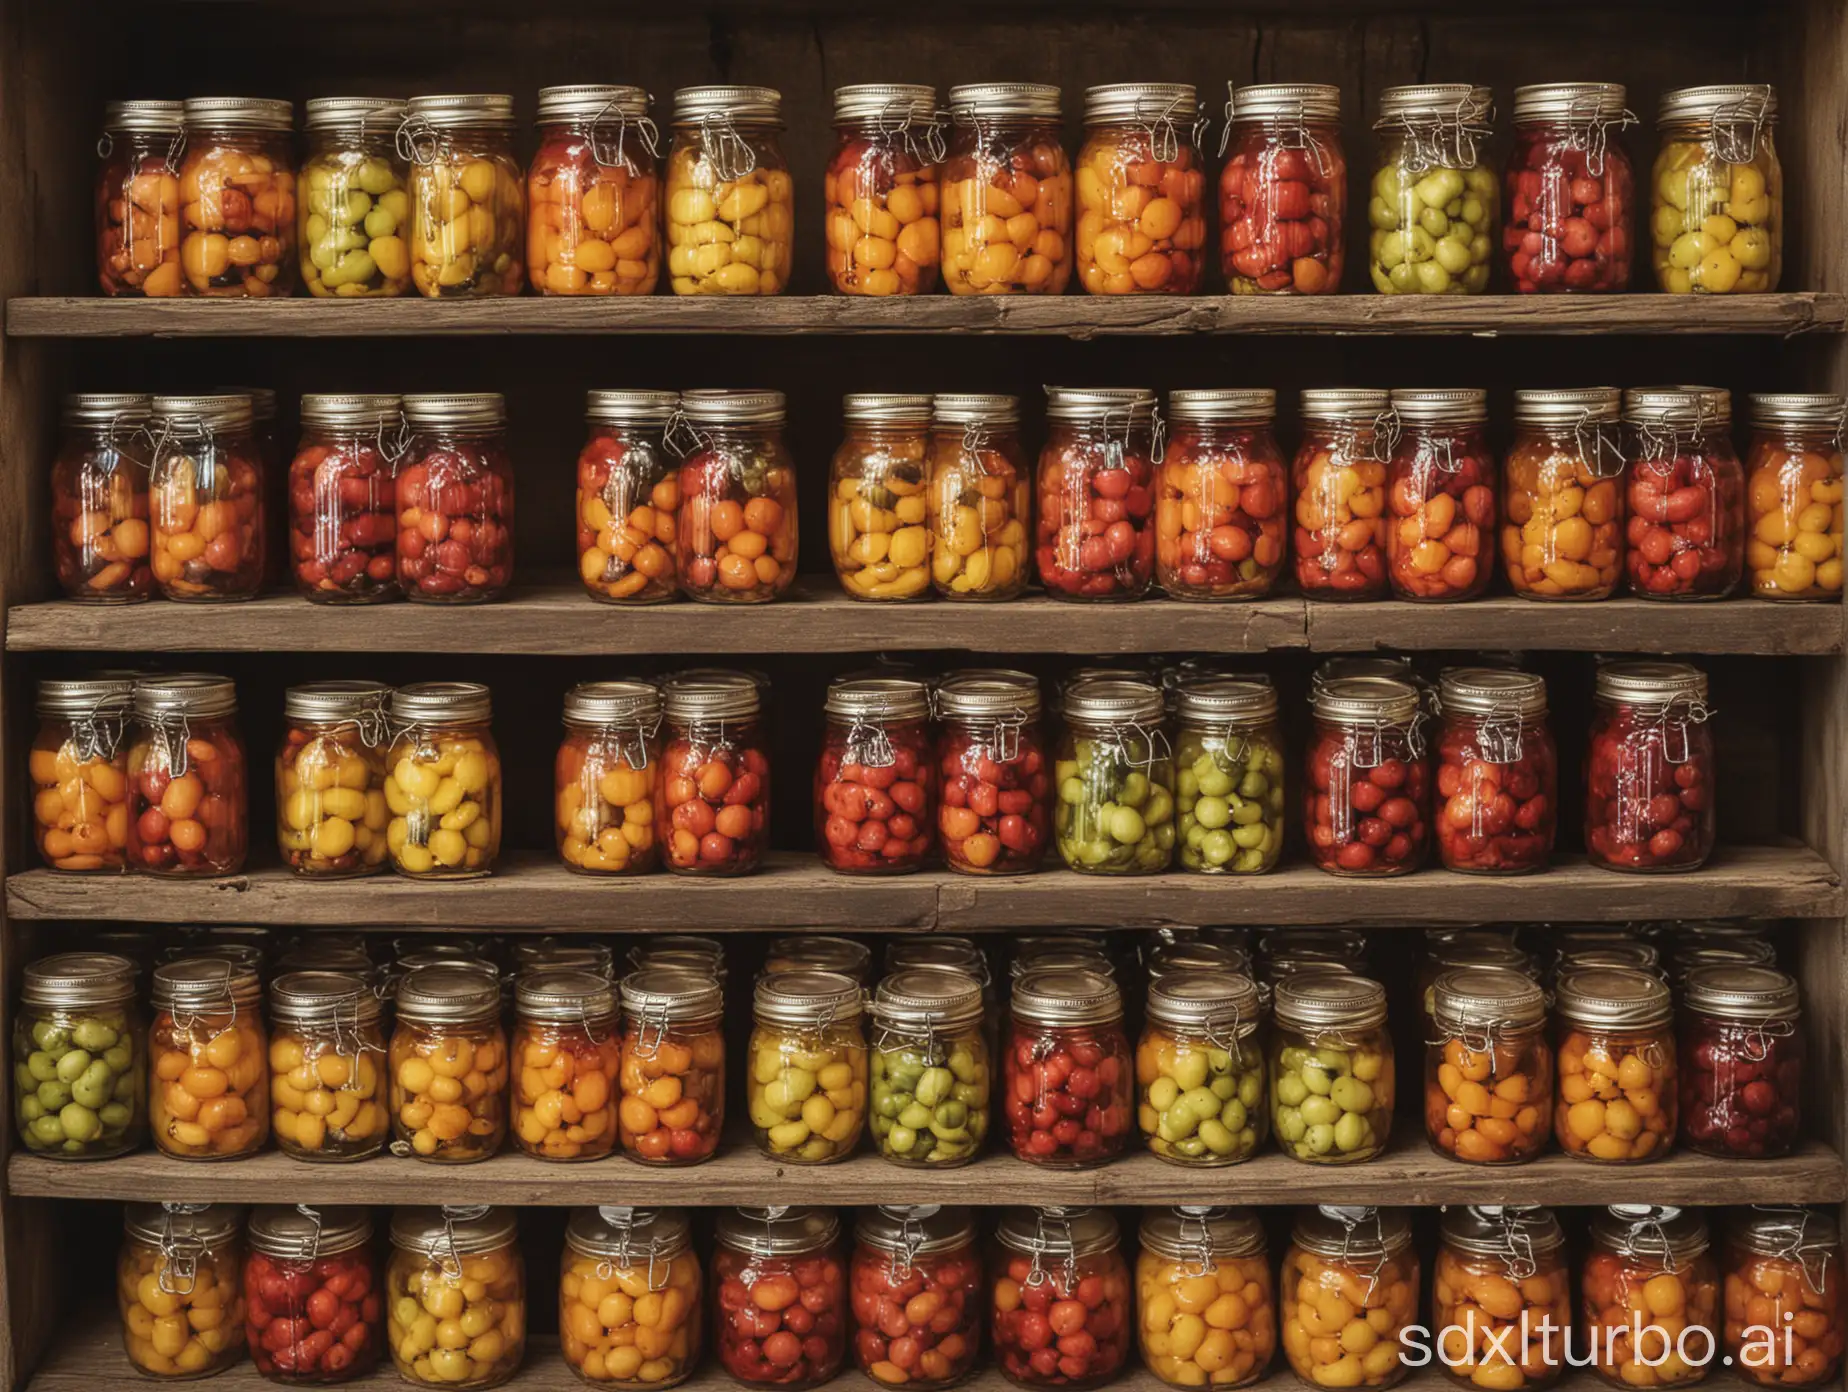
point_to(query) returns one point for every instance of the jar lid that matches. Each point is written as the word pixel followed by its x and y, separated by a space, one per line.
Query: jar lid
pixel 719 697
pixel 106 408
pixel 78 978
pixel 1223 406
pixel 238 954
pixel 194 984
pixel 1492 691
pixel 1811 1236
pixel 1440 405
pixel 353 411
pixel 1571 406
pixel 1638 956
pixel 1742 993
pixel 1821 409
pixel 886 408
pixel 1357 405
pixel 754 105
pixel 1067 997
pixel 1108 702
pixel 1458 102
pixel 322 703
pixel 1612 997
pixel 328 113
pixel 929 997
pixel 1061 1232
pixel 1189 1232
pixel 640 409
pixel 453 1230
pixel 1657 1232
pixel 323 998
pixel 808 998
pixel 991 694
pixel 1475 998
pixel 1080 957
pixel 1105 406
pixel 1352 1232
pixel 1515 1232
pixel 166 1224
pixel 1623 682
pixel 1578 103
pixel 429 703
pixel 613 703
pixel 630 1237
pixel 448 994
pixel 325 952
pixel 938 951
pixel 986 101
pixel 86 697
pixel 1034 946
pixel 436 410
pixel 301 1233
pixel 1205 1000
pixel 1477 952
pixel 563 995
pixel 531 955
pixel 1366 700
pixel 1742 103
pixel 408 962
pixel 203 411
pixel 1685 962
pixel 974 408
pixel 1677 405
pixel 878 698
pixel 1218 699
pixel 778 1231
pixel 1329 999
pixel 151 117
pixel 457 110
pixel 912 1230
pixel 892 104
pixel 1143 103
pixel 243 113
pixel 199 694
pixel 1285 101
pixel 592 101
pixel 724 406
pixel 818 950
pixel 672 993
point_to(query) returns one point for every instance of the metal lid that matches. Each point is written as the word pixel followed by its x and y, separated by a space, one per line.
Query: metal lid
pixel 436 703
pixel 1067 997
pixel 878 698
pixel 455 409
pixel 1492 691
pixel 1109 702
pixel 1285 101
pixel 329 113
pixel 688 944
pixel 672 993
pixel 596 704
pixel 1440 405
pixel 1223 406
pixel 641 409
pixel 239 954
pixel 751 105
pixel 1657 1232
pixel 1331 999
pixel 322 998
pixel 912 1230
pixel 1227 700
pixel 1480 950
pixel 1572 406
pixel 1361 405
pixel 1738 103
pixel 301 1233
pixel 719 697
pixel 779 1231
pixel 1205 1000
pixel 1612 997
pixel 1352 1232
pixel 1470 999
pixel 1060 1232
pixel 1811 1236
pixel 457 110
pixel 1366 700
pixel 1141 102
pixel 1742 993
pixel 1458 102
pixel 322 703
pixel 1577 103
pixel 448 994
pixel 1192 1232
pixel 353 412
pixel 564 996
pixel 106 408
pixel 1625 682
pixel 988 694
pixel 592 102
pixel 889 103
pixel 241 113
pixel 723 406
pixel 1677 405
pixel 1823 410
pixel 934 997
pixel 630 1237
pixel 86 697
pixel 538 954
pixel 78 978
pixel 454 1230
pixel 1344 945
pixel 1686 961
pixel 974 408
pixel 151 117
pixel 167 1225
pixel 1125 406
pixel 818 950
pixel 986 101
pixel 195 984
pixel 1514 1232
pixel 195 694
pixel 808 998
pixel 203 411
pixel 408 962
pixel 899 409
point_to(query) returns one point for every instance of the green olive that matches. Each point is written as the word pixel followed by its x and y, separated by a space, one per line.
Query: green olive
pixel 929 1107
pixel 79 1083
pixel 1116 807
pixel 1230 798
pixel 1431 231
pixel 1332 1102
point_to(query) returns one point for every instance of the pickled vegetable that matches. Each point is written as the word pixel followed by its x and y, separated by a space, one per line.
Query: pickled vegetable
pixel 354 200
pixel 1007 193
pixel 1200 1102
pixel 730 197
pixel 1230 794
pixel 1141 192
pixel 882 190
pixel 1214 1327
pixel 634 1324
pixel 457 1325
pixel 79 1080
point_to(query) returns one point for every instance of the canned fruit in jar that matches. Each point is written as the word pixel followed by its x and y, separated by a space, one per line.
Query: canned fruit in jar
pixel 456 1325
pixel 1095 537
pixel 1717 227
pixel 713 806
pixel 1221 517
pixel 1340 539
pixel 918 1321
pixel 353 219
pixel 979 504
pixel 1342 1320
pixel 176 1325
pixel 1794 545
pixel 1071 1094
pixel 449 1092
pixel 1441 492
pixel 994 810
pixel 1007 217
pixel 591 226
pixel 565 1091
pixel 80 806
pixel 605 807
pixel 100 523
pixel 1498 813
pixel 875 818
pixel 1505 1310
pixel 630 1326
pixel 467 220
pixel 807 1094
pixel 1332 1104
pixel 1199 1102
pixel 878 528
pixel 444 794
pixel 1141 219
pixel 332 816
pixel 1649 791
pixel 238 210
pixel 1230 795
pixel 188 802
pixel 737 526
pixel 781 1322
pixel 324 1095
pixel 79 1082
pixel 883 229
pixel 628 507
pixel 1490 1106
pixel 207 512
pixel 1616 1096
pixel 672 1100
pixel 930 1099
pixel 728 236
pixel 1063 1325
pixel 1563 524
pixel 138 220
pixel 1637 1307
pixel 1281 207
pixel 313 1321
pixel 1571 202
pixel 210 1086
pixel 1433 229
pixel 1686 528
pixel 343 521
pixel 1741 1088
pixel 1115 816
pixel 1368 809
pixel 1214 1327
pixel 455 522
pixel 1799 1303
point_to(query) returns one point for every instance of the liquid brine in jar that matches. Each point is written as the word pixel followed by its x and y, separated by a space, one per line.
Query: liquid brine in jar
pixel 879 495
pixel 712 801
pixel 99 498
pixel 206 495
pixel 1648 1280
pixel 468 209
pixel 1115 779
pixel 138 199
pixel 593 194
pixel 1794 489
pixel 1784 1321
pixel 1283 190
pixel 782 1306
pixel 1095 538
pixel 730 195
pixel 1339 483
pixel 354 204
pixel 1616 1065
pixel 996 785
pixel 1331 1066
pixel 326 1061
pixel 1434 208
pixel 1071 1091
pixel 882 190
pixel 331 812
pixel 1221 496
pixel 1562 529
pixel 1571 190
pixel 80 1063
pixel 313 1303
pixel 179 1288
pixel 1650 770
pixel 980 498
pixel 1205 1303
pixel 1488 1083
pixel 237 196
pixel 81 795
pixel 1441 495
pixel 917 1295
pixel 736 542
pixel 1141 190
pixel 443 785
pixel 1351 1271
pixel 1717 191
pixel 1742 1057
pixel 930 1067
pixel 343 514
pixel 457 1265
pixel 1685 493
pixel 630 1302
pixel 1501 1281
pixel 807 1088
pixel 1007 192
pixel 1200 1069
pixel 628 498
pixel 605 776
pixel 188 778
pixel 455 499
pixel 1497 772
pixel 449 1065
pixel 209 1059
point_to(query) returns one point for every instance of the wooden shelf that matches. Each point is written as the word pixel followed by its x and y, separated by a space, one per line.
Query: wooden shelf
pixel 533 891
pixel 1065 316
pixel 557 619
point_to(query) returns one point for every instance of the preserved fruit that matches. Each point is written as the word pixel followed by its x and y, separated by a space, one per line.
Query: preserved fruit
pixel 1007 192
pixel 730 197
pixel 878 500
pixel 1096 493
pixel 1488 1068
pixel 1222 496
pixel 354 204
pixel 593 195
pixel 467 204
pixel 1717 191
pixel 1331 1067
pixel 1650 769
pixel 1563 495
pixel 1685 494
pixel 1367 806
pixel 1141 191
pixel 1283 190
pixel 882 191
pixel 1441 494
pixel 1794 540
pixel 1571 190
pixel 138 199
pixel 1497 773
pixel 237 196
pixel 628 498
pixel 1433 210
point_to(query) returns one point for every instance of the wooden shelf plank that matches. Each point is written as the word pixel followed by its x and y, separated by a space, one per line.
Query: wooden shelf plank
pixel 1068 316
pixel 534 891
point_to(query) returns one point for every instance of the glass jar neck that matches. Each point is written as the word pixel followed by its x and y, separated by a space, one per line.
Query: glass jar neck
pixel 200 134
pixel 365 140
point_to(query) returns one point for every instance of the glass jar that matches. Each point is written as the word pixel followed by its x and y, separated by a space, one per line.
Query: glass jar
pixel 81 795
pixel 1339 480
pixel 1501 1281
pixel 178 1286
pixel 917 1295
pixel 881 190
pixel 629 1297
pixel 736 542
pixel 1096 492
pixel 1647 1280
pixel 1007 192
pixel 606 777
pixel 1741 1061
pixel 730 196
pixel 460 1264
pixel 312 1304
pixel 1571 191
pixel 209 1095
pixel 1795 460
pixel 1062 1306
pixel 1441 495
pixel 1685 494
pixel 806 1093
pixel 566 1057
pixel 448 1066
pixel 672 1075
pixel 1433 212
pixel 1349 1286
pixel 1331 1067
pixel 980 498
pixel 1071 1080
pixel 188 808
pixel 1717 191
pixel 1283 190
pixel 444 785
pixel 99 499
pixel 343 516
pixel 875 787
pixel 1141 192
pixel 628 497
pixel 878 528
pixel 468 207
pixel 138 199
pixel 821 952
pixel 237 185
pixel 326 1044
pixel 1488 1076
pixel 1115 776
pixel 1206 1307
pixel 1783 1293
pixel 1497 772
pixel 712 801
pixel 593 194
pixel 781 1301
pixel 354 205
pixel 1650 769
pixel 1562 495
pixel 455 499
pixel 1229 779
pixel 206 497
pixel 1200 1070
pixel 1367 806
pixel 331 812
pixel 1616 1065
pixel 80 1073
pixel 930 1068
pixel 1221 508
pixel 996 790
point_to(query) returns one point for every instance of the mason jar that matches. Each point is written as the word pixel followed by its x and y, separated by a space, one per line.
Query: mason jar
pixel 1367 806
pixel 1571 190
pixel 1717 191
pixel 461 1259
pixel 1115 776
pixel 1791 1259
pixel 468 209
pixel 1651 769
pixel 1433 214
pixel 1338 481
pixel 1742 1056
pixel 628 498
pixel 449 1066
pixel 1331 1067
pixel 1685 494
pixel 996 790
pixel 1007 192
pixel 82 797
pixel 179 1287
pixel 593 193
pixel 306 1262
pixel 980 501
pixel 209 1060
pixel 1616 1065
pixel 1441 495
pixel 672 1077
pixel 566 1055
pixel 1562 513
pixel 875 784
pixel 1071 1081
pixel 455 496
pixel 605 776
pixel 237 190
pixel 80 1066
pixel 882 191
pixel 444 784
pixel 807 1088
pixel 138 199
pixel 1488 1069
pixel 331 811
pixel 1662 1250
pixel 1793 488
pixel 1222 496
pixel 1200 1265
pixel 99 498
pixel 917 1294
pixel 1096 494
pixel 326 1054
pixel 188 780
pixel 712 801
pixel 730 195
pixel 354 206
pixel 1349 1269
pixel 932 1074
pixel 630 1302
pixel 1497 772
pixel 1060 1257
pixel 737 534
pixel 1141 190
pixel 1200 1069
pixel 206 498
pixel 1229 779
pixel 1283 190
pixel 1501 1278
pixel 878 495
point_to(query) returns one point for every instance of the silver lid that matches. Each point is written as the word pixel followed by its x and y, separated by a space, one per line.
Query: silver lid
pixel 1458 102
pixel 538 954
pixel 906 409
pixel 630 1237
pixel 302 1233
pixel 1118 406
pixel 890 104
pixel 564 995
pixel 1492 691
pixel 822 952
pixel 808 998
pixel 878 698
pixel 1345 945
pixel 198 694
pixel 203 411
pixel 78 979
pixel 1658 1232
pixel 106 408
pixel 1742 993
pixel 1191 1232
pixel 1118 103
pixel 322 998
pixel 989 694
pixel 86 697
pixel 408 962
pixel 1689 960
pixel 1440 405
pixel 914 1230
pixel 240 954
pixel 349 411
pixel 1731 103
pixel 1514 1232
pixel 197 984
pixel 937 997
pixel 440 703
pixel 1479 950
pixel 144 117
pixel 1067 997
pixel 1649 682
pixel 1351 405
pixel 1575 103
pixel 1477 998
pixel 323 703
pixel 751 105
pixel 1059 1232
pixel 1223 406
pixel 1331 999
pixel 455 409
pixel 1167 959
pixel 1285 101
pixel 1612 997
pixel 1638 955
pixel 448 994
pixel 975 408
pixel 1677 405
pixel 1366 700
pixel 592 102
pixel 613 703
pixel 688 944
pixel 1572 406
pixel 240 113
pixel 1352 1232
pixel 723 406
pixel 182 1224
pixel 672 993
pixel 459 110
pixel 338 113
pixel 1822 410
pixel 1205 1000
pixel 971 102
pixel 646 410
pixel 454 1230
pixel 1108 702
pixel 720 697
pixel 777 1231
pixel 1226 700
